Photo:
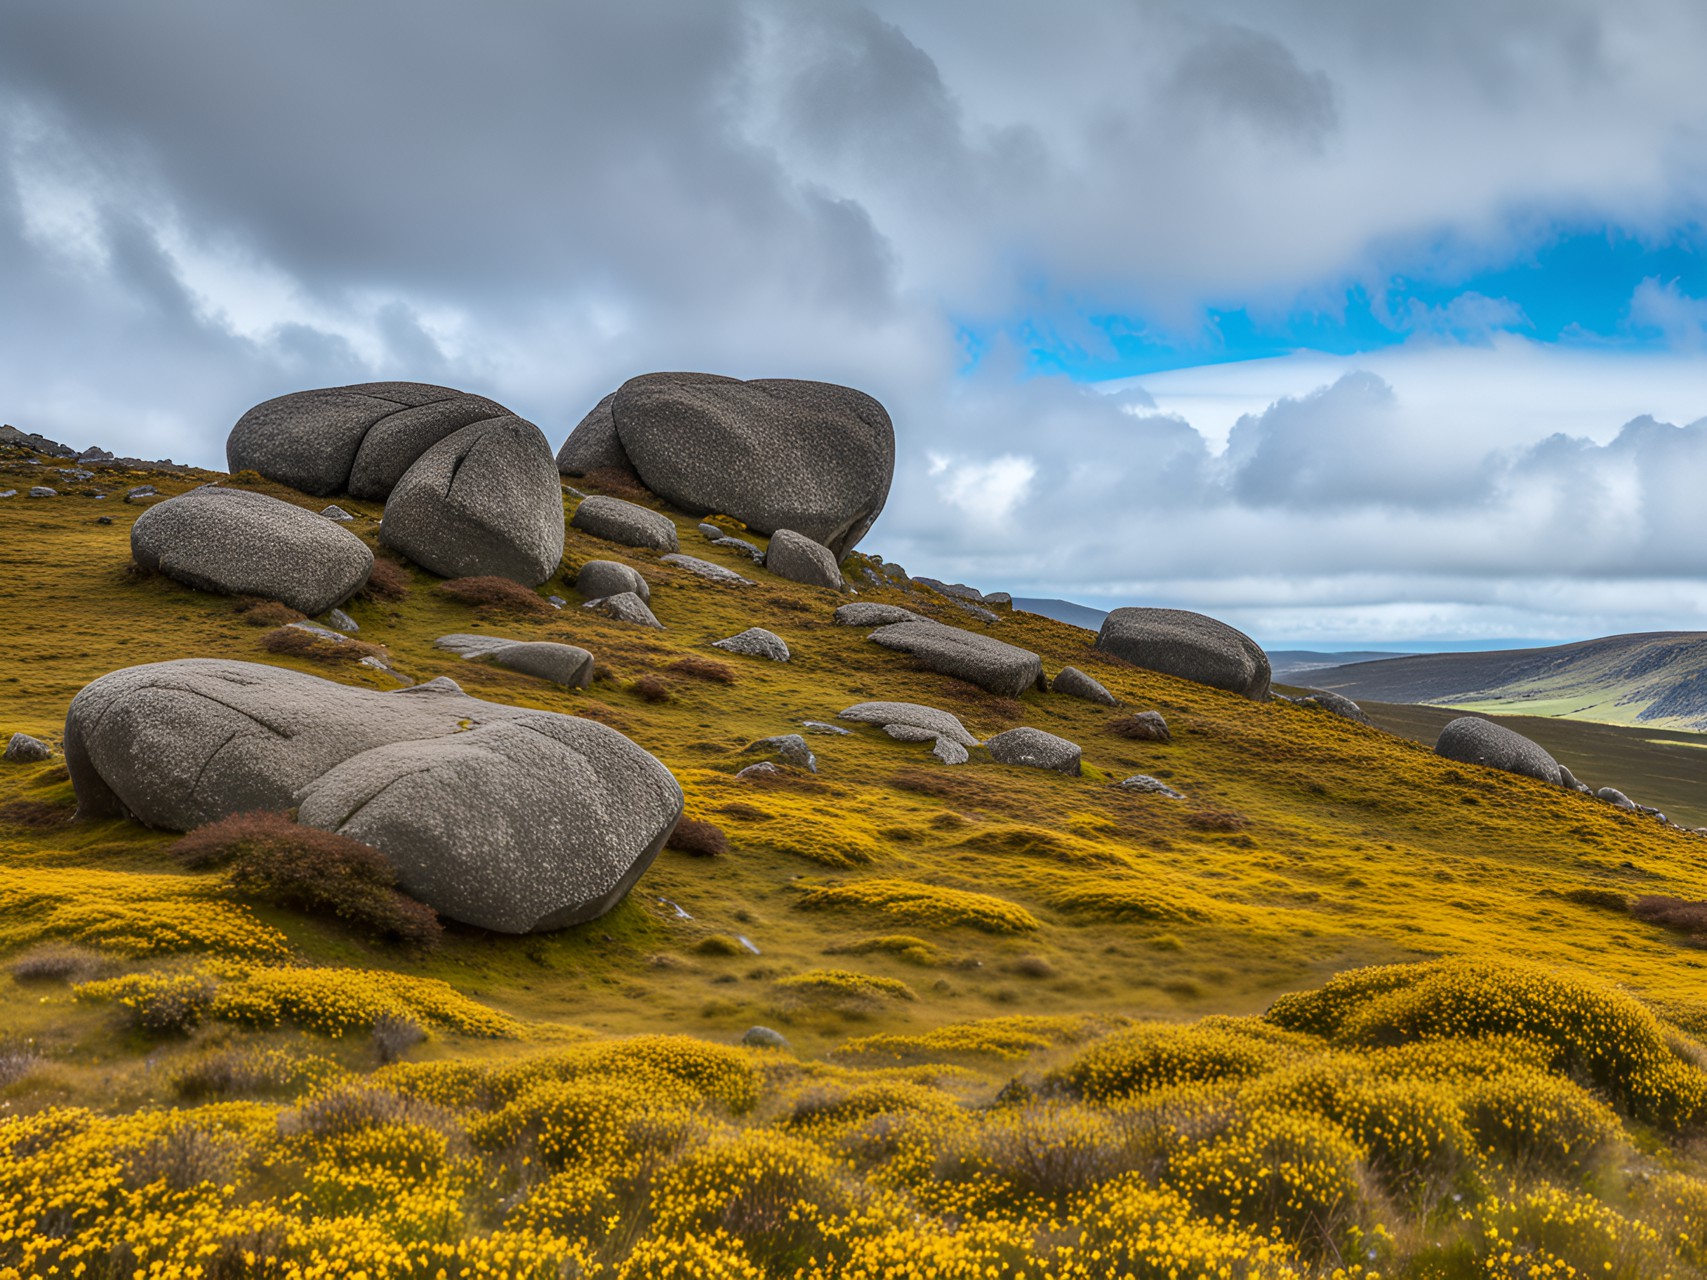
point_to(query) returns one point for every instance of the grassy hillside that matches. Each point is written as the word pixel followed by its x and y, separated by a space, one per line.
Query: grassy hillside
pixel 194 1074
pixel 1656 678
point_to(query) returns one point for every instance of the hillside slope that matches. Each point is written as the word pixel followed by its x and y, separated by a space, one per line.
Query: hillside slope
pixel 1653 678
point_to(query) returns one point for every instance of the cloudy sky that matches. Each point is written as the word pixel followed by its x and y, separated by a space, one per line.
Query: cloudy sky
pixel 1345 322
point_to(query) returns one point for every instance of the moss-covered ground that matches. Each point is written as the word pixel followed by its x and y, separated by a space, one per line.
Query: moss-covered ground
pixel 907 925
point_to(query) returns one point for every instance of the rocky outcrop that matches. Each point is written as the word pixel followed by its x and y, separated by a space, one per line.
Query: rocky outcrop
pixel 1035 749
pixel 773 453
pixel 1188 645
pixel 990 664
pixel 235 542
pixel 798 558
pixel 617 521
pixel 1472 740
pixel 502 817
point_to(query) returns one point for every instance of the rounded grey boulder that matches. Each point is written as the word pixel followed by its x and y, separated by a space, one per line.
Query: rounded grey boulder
pixel 601 578
pixel 763 1038
pixel 1472 740
pixel 483 501
pixel 1189 645
pixel 564 664
pixel 798 558
pixel 592 445
pixel 1076 684
pixel 868 613
pixel 1613 796
pixel 617 521
pixel 774 453
pixel 502 817
pixel 990 664
pixel 23 749
pixel 1335 704
pixel 755 642
pixel 235 542
pixel 625 606
pixel 1035 749
pixel 940 723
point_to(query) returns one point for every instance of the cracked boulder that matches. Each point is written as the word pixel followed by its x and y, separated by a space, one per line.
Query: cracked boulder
pixel 506 818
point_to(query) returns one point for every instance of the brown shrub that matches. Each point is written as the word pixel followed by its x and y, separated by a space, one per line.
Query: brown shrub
pixel 700 838
pixel 498 594
pixel 618 482
pixel 1672 913
pixel 706 669
pixel 1605 899
pixel 56 962
pixel 394 1034
pixel 268 856
pixel 37 815
pixel 266 613
pixel 652 689
pixel 389 581
pixel 294 642
pixel 1146 726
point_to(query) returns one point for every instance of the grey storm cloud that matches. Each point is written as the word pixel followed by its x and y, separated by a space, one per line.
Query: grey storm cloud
pixel 203 204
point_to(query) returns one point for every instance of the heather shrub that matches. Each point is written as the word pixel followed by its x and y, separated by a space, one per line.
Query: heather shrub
pixel 388 581
pixel 652 689
pixel 1162 1055
pixel 294 642
pixel 270 857
pixel 500 595
pixel 394 1034
pixel 258 612
pixel 158 1004
pixel 1538 1123
pixel 697 668
pixel 1678 914
pixel 699 838
pixel 56 962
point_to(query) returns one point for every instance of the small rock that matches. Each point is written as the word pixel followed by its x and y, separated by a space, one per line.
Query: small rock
pixel 705 569
pixel 755 642
pixel 953 590
pixel 42 491
pixel 799 559
pixel 625 606
pixel 315 629
pixel 556 602
pixel 1189 645
pixel 866 613
pixel 979 612
pixel 103 519
pixel 94 453
pixel 8 493
pixel 743 546
pixel 763 1038
pixel 888 713
pixel 910 733
pixel 818 726
pixel 23 749
pixel 790 748
pixel 1613 796
pixel 1567 779
pixel 141 493
pixel 764 769
pixel 1076 684
pixel 598 579
pixel 335 512
pixel 710 532
pixel 1153 786
pixel 1035 749
pixel 1145 726
pixel 617 521
pixel 1335 703
pixel 950 752
pixel 341 621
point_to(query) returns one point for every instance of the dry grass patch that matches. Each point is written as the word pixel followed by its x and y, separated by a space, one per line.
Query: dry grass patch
pixel 294 642
pixel 500 595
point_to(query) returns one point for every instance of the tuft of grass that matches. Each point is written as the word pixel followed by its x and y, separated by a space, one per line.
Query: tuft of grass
pixel 697 837
pixel 925 904
pixel 652 689
pixel 387 583
pixel 697 668
pixel 258 612
pixel 394 1034
pixel 500 595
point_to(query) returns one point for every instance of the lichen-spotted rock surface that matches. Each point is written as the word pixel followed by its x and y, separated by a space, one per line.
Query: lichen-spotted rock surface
pixel 1177 642
pixel 507 818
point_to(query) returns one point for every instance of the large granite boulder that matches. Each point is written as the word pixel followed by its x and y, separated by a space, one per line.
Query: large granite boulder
pixel 592 445
pixel 359 438
pixel 1177 642
pixel 1001 668
pixel 617 521
pixel 502 817
pixel 796 557
pixel 483 501
pixel 235 542
pixel 774 453
pixel 1472 740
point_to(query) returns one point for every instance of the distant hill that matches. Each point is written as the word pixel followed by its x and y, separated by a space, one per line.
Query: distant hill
pixel 1074 615
pixel 1290 663
pixel 1656 678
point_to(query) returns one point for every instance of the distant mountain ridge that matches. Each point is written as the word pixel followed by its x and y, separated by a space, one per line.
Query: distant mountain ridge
pixel 1650 678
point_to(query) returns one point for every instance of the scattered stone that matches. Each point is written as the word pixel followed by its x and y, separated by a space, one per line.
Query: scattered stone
pixel 887 713
pixel 141 492
pixel 979 612
pixel 1189 645
pixel 617 521
pixel 763 1038
pixel 910 733
pixel 710 532
pixel 1472 740
pixel 1076 684
pixel 1613 796
pixel 592 445
pixel 103 519
pixel 705 569
pixel 8 493
pixel 986 662
pixel 625 606
pixel 1145 726
pixel 1036 749
pixel 1336 704
pixel 483 501
pixel 950 752
pixel 43 491
pixel 818 726
pixel 743 546
pixel 600 578
pixel 23 749
pixel 1145 783
pixel 763 769
pixel 790 748
pixel 506 818
pixel 863 613
pixel 755 642
pixel 341 621
pixel 335 512
pixel 315 629
pixel 236 542
pixel 1567 779
pixel 773 453
pixel 799 559
pixel 564 664
pixel 556 602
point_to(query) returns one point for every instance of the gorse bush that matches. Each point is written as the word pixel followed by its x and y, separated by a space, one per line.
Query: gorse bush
pixel 269 857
